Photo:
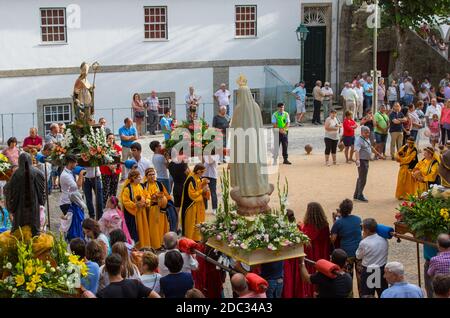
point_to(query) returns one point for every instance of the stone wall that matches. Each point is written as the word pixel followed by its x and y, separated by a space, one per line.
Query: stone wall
pixel 356 50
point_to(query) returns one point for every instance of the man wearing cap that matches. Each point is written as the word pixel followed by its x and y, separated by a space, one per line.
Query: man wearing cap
pixel 327 99
pixel 425 173
pixel 300 95
pixel 338 287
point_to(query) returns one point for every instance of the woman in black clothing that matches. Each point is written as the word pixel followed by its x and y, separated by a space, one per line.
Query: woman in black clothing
pixel 179 170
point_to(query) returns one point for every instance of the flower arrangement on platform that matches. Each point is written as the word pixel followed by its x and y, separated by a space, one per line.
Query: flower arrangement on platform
pixel 5 165
pixel 426 215
pixel 270 230
pixel 87 143
pixel 197 134
pixel 25 276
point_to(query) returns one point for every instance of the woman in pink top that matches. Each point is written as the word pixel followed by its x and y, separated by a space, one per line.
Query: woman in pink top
pixel 139 112
pixel 445 122
pixel 12 152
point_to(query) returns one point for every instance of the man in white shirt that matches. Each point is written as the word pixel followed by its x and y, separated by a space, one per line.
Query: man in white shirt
pixel 192 104
pixel 222 96
pixel 350 98
pixel 92 183
pixel 373 252
pixel 170 241
pixel 327 99
pixel 142 163
pixel 69 184
pixel 433 108
pixel 401 88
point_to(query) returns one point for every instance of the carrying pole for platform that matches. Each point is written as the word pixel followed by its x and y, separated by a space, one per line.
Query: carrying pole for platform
pixel 47 194
pixel 417 241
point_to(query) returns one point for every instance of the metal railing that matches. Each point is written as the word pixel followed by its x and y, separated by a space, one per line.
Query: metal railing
pixel 18 124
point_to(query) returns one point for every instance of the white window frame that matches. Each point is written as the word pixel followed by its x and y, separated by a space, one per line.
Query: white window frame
pixel 62 112
pixel 53 25
pixel 245 21
pixel 166 24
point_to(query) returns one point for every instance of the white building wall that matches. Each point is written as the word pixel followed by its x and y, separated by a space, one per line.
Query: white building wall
pixel 113 90
pixel 112 32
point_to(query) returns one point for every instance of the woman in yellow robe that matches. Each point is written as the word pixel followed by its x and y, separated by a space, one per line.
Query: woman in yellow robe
pixel 133 201
pixel 192 204
pixel 426 171
pixel 407 157
pixel 157 219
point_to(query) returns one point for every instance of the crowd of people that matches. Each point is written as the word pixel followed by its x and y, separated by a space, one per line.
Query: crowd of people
pixel 143 208
pixel 118 269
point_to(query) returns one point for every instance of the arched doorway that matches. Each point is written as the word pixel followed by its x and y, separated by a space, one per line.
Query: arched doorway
pixel 315 19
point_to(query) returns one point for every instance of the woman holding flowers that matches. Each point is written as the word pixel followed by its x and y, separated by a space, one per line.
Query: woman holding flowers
pixel 425 173
pixel 133 201
pixel 192 205
pixel 157 197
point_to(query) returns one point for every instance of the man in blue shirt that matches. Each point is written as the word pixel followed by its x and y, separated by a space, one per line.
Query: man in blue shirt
pixel 128 135
pixel 166 123
pixel 428 253
pixel 300 95
pixel 346 232
pixel 394 272
pixel 90 282
pixel 368 93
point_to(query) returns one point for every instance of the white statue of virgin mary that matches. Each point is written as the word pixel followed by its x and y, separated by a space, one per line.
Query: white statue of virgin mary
pixel 250 185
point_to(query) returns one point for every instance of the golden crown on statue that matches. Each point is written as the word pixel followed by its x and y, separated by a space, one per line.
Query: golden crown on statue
pixel 241 81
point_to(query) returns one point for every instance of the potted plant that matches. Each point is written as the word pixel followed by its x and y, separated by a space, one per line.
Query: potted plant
pixel 426 216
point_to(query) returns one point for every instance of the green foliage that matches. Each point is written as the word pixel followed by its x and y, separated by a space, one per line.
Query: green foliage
pixel 426 216
pixel 270 230
pixel 412 13
pixel 196 135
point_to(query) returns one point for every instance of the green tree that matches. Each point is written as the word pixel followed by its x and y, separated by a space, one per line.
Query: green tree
pixel 407 14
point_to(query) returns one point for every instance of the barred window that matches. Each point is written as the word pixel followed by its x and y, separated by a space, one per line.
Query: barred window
pixel 155 23
pixel 53 25
pixel 245 21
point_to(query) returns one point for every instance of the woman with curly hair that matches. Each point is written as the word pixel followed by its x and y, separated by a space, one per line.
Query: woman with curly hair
pixel 315 226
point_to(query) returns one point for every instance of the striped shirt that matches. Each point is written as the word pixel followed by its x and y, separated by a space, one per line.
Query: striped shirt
pixel 440 264
pixel 152 103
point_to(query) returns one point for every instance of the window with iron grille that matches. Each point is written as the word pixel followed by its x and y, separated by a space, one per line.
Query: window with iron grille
pixel 245 21
pixel 155 23
pixel 53 25
pixel 58 113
